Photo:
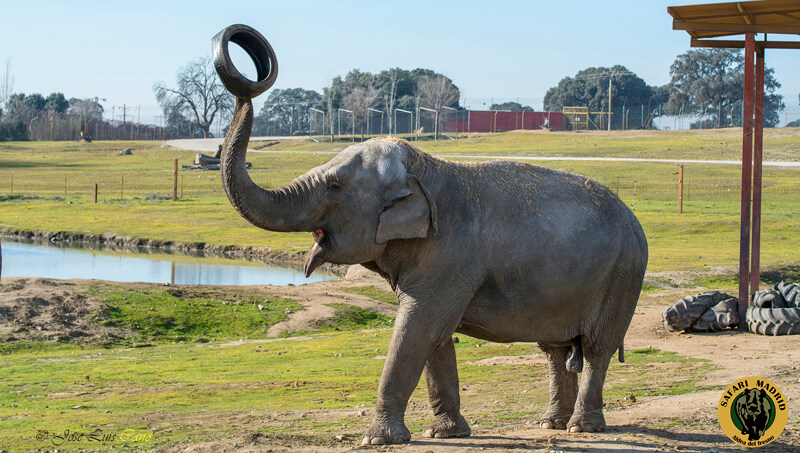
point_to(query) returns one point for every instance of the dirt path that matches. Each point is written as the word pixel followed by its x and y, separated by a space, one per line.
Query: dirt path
pixel 211 144
pixel 56 310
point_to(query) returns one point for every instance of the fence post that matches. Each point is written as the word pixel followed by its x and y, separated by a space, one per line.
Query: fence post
pixel 680 189
pixel 175 180
pixel 95 192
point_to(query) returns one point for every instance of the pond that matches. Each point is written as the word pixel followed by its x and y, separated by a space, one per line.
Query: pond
pixel 57 261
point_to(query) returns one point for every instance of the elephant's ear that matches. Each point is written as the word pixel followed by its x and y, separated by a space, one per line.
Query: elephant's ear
pixel 409 213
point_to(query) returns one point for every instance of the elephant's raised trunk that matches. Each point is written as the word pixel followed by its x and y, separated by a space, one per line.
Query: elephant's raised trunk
pixel 284 209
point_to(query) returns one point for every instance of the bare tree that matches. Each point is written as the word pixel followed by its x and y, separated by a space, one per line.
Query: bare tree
pixel 358 101
pixel 199 94
pixel 389 97
pixel 437 91
pixel 6 84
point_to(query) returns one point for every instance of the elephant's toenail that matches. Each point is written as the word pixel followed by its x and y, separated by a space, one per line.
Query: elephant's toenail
pixel 575 429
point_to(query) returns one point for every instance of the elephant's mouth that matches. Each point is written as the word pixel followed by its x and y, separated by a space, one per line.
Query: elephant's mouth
pixel 314 257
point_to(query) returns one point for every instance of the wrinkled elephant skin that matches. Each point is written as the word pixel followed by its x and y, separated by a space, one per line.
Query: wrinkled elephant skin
pixel 501 251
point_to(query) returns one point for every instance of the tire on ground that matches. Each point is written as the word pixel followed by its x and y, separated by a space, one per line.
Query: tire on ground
pixel 689 309
pixel 769 298
pixel 773 321
pixel 790 292
pixel 724 315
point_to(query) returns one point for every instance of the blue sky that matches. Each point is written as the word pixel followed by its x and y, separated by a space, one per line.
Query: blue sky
pixel 492 50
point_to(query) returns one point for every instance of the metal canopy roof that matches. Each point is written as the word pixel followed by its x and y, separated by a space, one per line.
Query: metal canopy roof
pixel 724 19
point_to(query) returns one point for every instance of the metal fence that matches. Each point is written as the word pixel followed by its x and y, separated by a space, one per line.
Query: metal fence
pixel 64 127
pixel 699 185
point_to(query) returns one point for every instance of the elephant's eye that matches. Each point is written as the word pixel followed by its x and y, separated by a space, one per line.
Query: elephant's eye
pixel 335 186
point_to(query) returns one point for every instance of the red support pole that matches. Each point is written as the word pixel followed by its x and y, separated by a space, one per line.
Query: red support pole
pixel 747 161
pixel 758 139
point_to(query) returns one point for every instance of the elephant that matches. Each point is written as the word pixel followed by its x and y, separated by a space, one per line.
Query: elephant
pixel 501 251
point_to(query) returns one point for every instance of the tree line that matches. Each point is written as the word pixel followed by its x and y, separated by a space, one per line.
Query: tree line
pixel 19 110
pixel 706 83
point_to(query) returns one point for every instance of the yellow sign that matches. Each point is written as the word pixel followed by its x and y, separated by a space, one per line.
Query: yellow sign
pixel 752 412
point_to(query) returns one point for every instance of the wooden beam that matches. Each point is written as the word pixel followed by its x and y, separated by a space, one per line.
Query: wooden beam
pixel 746 18
pixel 735 28
pixel 731 13
pixel 731 44
pixel 747 179
pixel 758 140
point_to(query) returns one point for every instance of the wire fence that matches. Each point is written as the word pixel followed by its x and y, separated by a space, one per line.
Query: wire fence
pixel 65 127
pixel 698 186
pixel 635 117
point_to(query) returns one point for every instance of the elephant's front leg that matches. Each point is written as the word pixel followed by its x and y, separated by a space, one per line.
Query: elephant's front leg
pixel 411 344
pixel 441 375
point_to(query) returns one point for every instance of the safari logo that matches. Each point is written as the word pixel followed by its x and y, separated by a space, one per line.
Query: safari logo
pixel 752 412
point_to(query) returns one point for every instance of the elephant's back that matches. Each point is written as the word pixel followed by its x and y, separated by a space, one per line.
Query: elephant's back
pixel 568 221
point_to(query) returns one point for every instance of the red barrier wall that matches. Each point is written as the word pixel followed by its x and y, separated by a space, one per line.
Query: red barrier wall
pixel 497 121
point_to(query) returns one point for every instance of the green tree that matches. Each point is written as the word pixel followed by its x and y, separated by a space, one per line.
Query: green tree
pixel 25 108
pixel 176 123
pixel 511 106
pixel 285 112
pixel 89 109
pixel 406 91
pixel 589 88
pixel 709 82
pixel 56 103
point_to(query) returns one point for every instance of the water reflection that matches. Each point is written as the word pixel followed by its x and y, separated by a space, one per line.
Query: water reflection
pixel 41 260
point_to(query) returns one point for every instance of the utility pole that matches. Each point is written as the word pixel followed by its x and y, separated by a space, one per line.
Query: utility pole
pixel 124 112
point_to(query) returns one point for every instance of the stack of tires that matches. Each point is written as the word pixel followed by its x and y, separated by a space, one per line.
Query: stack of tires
pixel 707 312
pixel 776 311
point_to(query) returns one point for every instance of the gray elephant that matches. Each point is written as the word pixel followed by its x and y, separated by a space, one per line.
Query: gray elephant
pixel 501 251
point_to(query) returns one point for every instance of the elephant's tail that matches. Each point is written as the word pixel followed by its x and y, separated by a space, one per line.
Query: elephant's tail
pixel 621 352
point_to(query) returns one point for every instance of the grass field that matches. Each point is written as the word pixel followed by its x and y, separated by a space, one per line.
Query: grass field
pixel 53 184
pixel 190 392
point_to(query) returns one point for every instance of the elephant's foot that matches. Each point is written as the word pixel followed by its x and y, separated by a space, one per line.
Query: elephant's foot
pixel 383 432
pixel 555 421
pixel 444 426
pixel 592 422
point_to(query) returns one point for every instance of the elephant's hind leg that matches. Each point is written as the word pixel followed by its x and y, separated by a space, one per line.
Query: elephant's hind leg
pixel 588 414
pixel 441 376
pixel 563 388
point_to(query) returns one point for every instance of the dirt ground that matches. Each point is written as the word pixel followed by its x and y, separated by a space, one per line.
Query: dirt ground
pixel 58 310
